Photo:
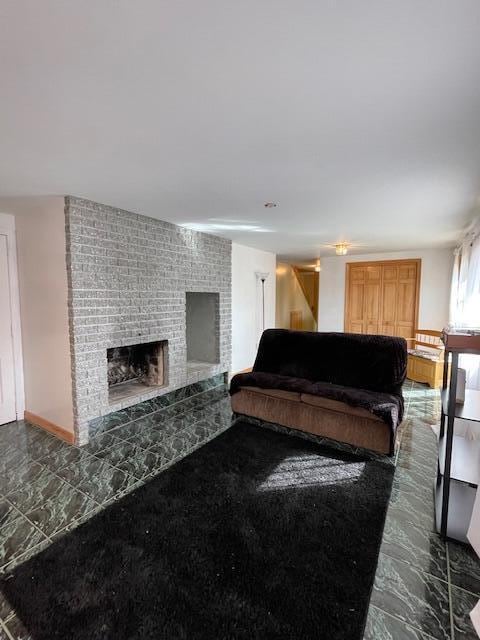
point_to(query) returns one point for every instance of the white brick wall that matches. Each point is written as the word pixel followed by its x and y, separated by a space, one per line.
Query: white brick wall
pixel 128 275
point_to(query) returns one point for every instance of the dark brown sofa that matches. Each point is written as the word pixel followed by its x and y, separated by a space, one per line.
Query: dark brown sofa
pixel 346 387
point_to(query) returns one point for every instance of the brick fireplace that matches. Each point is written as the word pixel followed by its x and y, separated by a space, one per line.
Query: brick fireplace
pixel 133 281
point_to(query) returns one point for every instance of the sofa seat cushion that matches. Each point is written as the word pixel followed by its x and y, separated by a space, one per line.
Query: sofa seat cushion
pixel 426 355
pixel 277 393
pixel 336 405
pixel 386 406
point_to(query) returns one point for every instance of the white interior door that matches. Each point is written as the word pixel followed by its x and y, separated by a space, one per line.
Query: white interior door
pixel 7 365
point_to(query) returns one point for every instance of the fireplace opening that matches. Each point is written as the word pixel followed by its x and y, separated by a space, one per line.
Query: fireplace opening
pixel 135 368
pixel 202 329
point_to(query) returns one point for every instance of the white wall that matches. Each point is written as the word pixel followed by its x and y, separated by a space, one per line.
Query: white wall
pixel 247 302
pixel 434 286
pixel 40 229
pixel 290 297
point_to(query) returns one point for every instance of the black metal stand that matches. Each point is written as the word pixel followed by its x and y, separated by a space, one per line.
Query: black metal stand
pixel 460 460
pixel 452 393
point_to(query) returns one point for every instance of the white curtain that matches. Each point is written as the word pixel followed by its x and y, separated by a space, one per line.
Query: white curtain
pixel 472 287
pixel 454 288
pixel 465 299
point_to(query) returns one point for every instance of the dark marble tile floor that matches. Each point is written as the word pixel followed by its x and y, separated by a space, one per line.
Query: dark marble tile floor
pixel 424 588
pixel 48 487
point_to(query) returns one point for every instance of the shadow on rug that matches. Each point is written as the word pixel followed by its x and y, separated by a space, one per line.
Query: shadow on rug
pixel 256 535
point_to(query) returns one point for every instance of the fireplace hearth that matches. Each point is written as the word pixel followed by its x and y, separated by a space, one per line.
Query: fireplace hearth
pixel 133 369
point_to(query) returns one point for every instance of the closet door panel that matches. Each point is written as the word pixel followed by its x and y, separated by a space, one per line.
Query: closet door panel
pixel 357 293
pixel 374 273
pixel 357 303
pixel 407 272
pixel 388 311
pixel 389 272
pixel 356 327
pixel 355 299
pixel 372 306
pixel 406 308
pixel 373 283
pixel 357 274
pixel 406 302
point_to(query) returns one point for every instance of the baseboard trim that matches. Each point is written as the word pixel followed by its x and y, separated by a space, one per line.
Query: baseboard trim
pixel 51 427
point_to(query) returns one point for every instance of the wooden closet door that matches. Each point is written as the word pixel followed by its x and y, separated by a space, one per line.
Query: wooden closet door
pixel 373 282
pixel 356 300
pixel 388 314
pixel 382 297
pixel 405 324
pixel 363 298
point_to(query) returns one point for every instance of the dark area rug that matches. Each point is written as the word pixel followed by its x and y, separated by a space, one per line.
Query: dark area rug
pixel 256 535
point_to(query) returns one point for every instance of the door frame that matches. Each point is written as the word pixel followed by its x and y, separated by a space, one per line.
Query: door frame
pixel 348 265
pixel 7 228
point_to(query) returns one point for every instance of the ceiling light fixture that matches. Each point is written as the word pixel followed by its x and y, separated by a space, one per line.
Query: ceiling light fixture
pixel 270 205
pixel 341 248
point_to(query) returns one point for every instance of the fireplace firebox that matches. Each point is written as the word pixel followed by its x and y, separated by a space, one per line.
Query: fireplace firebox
pixel 134 368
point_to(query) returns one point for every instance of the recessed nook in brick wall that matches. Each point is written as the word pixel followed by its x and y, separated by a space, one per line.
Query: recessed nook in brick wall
pixel 133 369
pixel 202 328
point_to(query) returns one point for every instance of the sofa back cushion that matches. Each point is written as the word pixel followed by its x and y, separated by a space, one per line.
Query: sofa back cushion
pixel 376 363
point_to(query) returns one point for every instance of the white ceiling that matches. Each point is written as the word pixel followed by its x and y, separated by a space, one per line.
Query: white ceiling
pixel 361 119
